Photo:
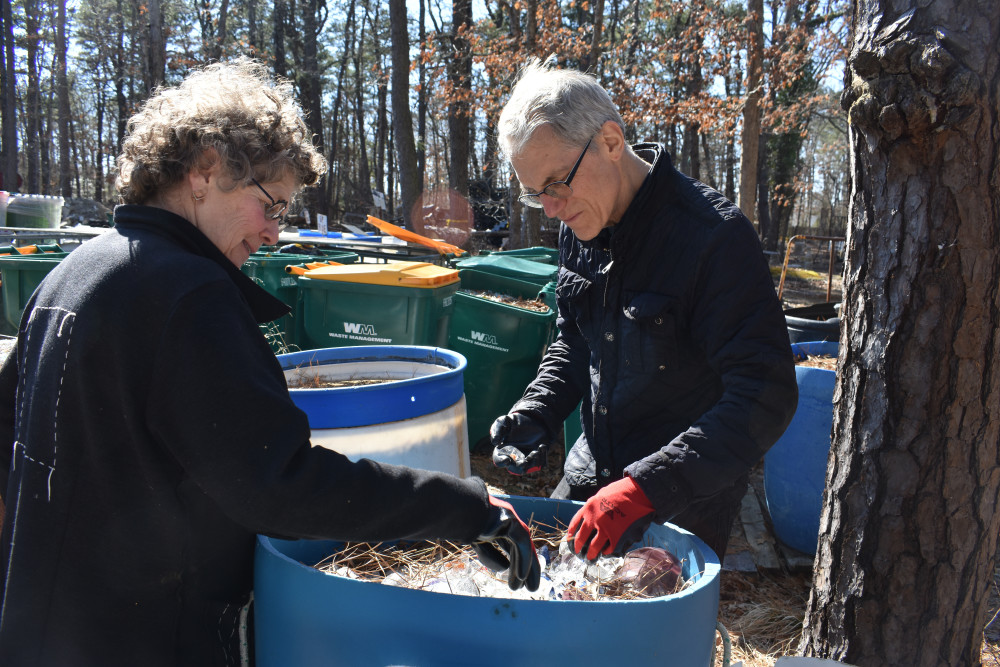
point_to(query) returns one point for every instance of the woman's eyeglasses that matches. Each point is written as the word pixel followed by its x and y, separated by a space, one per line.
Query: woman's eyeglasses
pixel 276 209
pixel 557 189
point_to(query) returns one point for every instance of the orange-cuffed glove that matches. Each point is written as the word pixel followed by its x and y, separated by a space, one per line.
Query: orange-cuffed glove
pixel 611 520
pixel 506 545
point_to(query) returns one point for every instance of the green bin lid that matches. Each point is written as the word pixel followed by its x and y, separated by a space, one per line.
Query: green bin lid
pixel 513 267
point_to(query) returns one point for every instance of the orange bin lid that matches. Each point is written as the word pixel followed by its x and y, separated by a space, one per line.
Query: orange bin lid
pixel 397 274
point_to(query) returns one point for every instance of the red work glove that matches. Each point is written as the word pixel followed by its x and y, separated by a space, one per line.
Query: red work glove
pixel 613 519
pixel 506 545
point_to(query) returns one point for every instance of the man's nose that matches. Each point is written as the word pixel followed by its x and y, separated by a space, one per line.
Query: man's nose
pixel 551 205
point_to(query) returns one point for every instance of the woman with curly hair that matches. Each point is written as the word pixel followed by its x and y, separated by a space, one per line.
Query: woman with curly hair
pixel 149 431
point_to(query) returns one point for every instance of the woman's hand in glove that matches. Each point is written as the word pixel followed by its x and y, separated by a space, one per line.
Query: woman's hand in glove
pixel 506 545
pixel 610 521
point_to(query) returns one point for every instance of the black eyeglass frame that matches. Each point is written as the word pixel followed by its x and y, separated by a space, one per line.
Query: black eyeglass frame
pixel 533 199
pixel 276 210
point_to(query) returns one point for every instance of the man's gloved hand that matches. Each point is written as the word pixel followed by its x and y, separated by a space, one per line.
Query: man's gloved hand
pixel 506 545
pixel 519 444
pixel 610 521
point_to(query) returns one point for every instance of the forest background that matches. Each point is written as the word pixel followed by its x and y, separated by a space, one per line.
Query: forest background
pixel 403 98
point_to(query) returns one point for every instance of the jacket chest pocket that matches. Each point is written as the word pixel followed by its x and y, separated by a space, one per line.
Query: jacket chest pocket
pixel 649 333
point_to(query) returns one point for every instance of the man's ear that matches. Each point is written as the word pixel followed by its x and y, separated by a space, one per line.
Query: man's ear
pixel 613 139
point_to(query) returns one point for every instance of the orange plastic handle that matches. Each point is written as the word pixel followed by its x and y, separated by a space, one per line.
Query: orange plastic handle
pixel 407 235
pixel 299 270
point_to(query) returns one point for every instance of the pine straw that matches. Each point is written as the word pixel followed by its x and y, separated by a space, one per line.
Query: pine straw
pixel 317 382
pixel 824 361
pixel 415 564
pixel 763 615
pixel 536 305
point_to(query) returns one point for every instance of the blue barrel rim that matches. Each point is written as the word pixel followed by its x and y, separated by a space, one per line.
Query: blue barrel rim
pixel 706 577
pixel 346 407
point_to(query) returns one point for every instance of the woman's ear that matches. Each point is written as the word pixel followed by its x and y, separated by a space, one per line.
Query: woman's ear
pixel 614 139
pixel 205 169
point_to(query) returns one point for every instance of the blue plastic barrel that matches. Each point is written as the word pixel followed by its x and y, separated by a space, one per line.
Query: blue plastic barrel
pixel 795 467
pixel 305 618
pixel 416 415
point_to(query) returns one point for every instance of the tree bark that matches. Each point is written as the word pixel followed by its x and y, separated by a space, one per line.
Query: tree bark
pixel 909 525
pixel 120 74
pixel 9 103
pixel 278 37
pixel 402 120
pixel 594 56
pixel 751 108
pixel 156 57
pixel 32 106
pixel 334 177
pixel 311 94
pixel 62 92
pixel 459 109
pixel 363 184
pixel 421 103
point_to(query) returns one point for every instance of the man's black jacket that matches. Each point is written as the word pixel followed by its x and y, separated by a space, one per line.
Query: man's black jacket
pixel 671 332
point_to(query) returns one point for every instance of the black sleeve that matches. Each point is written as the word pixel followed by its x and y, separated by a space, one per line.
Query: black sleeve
pixel 221 407
pixel 563 375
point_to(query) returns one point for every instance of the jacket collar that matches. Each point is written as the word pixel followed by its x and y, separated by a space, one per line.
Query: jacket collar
pixel 264 307
pixel 631 223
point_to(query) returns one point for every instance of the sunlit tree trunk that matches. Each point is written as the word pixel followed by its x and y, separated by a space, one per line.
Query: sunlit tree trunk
pixel 62 92
pixel 459 109
pixel 32 107
pixel 9 102
pixel 910 520
pixel 156 57
pixel 402 121
pixel 751 108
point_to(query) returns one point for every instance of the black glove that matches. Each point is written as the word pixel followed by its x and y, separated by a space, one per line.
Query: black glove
pixel 506 545
pixel 520 444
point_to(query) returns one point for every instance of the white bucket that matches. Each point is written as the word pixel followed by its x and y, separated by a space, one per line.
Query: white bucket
pixel 34 211
pixel 415 417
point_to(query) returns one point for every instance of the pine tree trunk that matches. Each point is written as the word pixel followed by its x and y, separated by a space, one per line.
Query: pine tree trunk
pixel 156 57
pixel 459 109
pixel 62 92
pixel 402 120
pixel 32 107
pixel 751 108
pixel 909 525
pixel 8 169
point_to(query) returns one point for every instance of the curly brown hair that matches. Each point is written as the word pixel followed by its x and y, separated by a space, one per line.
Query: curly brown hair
pixel 236 108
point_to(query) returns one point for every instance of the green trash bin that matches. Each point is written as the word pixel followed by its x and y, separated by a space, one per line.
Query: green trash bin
pixel 395 303
pixel 20 276
pixel 535 254
pixel 527 270
pixel 267 269
pixel 502 343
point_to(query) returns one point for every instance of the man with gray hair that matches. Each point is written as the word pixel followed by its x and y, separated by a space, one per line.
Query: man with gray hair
pixel 669 328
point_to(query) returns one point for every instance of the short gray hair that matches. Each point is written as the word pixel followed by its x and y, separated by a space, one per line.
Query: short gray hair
pixel 573 104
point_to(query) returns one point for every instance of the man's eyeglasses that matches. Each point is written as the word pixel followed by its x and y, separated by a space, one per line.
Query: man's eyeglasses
pixel 276 209
pixel 557 189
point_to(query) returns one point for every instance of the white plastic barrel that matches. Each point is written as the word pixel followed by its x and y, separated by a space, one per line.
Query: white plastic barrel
pixel 414 416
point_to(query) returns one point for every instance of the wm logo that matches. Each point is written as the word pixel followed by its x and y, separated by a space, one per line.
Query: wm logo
pixel 484 338
pixel 358 328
